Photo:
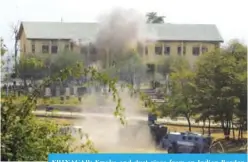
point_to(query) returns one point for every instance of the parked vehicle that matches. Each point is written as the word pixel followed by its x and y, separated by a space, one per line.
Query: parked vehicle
pixel 186 139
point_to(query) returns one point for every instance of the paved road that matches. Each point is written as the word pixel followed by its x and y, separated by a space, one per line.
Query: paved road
pixel 129 118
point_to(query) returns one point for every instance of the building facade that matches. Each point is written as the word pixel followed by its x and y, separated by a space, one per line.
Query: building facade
pixel 187 40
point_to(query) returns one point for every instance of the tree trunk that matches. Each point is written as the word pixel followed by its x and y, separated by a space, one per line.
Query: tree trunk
pixel 226 129
pixel 209 126
pixel 203 127
pixel 189 123
pixel 233 130
pixel 241 130
pixel 239 135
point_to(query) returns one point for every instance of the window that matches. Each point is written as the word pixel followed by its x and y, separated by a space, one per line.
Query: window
pixel 140 49
pixel 66 47
pixel 189 138
pixel 166 50
pixel 184 138
pixel 195 51
pixel 179 50
pixel 146 50
pixel 217 45
pixel 45 49
pixel 150 68
pixel 84 50
pixel 33 48
pixel 158 49
pixel 196 139
pixel 71 46
pixel 204 49
pixel 92 49
pixel 54 49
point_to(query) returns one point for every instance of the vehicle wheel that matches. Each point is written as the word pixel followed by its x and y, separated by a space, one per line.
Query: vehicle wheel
pixel 170 150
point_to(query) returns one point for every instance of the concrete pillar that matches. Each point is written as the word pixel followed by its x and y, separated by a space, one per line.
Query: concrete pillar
pixel 57 93
pixel 47 92
pixel 67 91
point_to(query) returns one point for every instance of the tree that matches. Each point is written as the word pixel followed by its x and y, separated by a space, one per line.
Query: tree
pixel 15 31
pixel 221 84
pixel 61 60
pixel 3 50
pixel 153 18
pixel 24 137
pixel 30 67
pixel 172 64
pixel 181 100
pixel 128 68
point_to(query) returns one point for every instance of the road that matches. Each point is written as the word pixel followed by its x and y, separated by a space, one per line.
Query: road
pixel 179 121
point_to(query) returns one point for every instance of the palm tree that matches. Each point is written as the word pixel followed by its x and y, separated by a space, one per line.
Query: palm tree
pixel 153 18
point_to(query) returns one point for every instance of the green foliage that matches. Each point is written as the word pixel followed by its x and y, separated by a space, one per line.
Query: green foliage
pixel 3 50
pixel 26 138
pixel 215 89
pixel 172 64
pixel 128 67
pixel 30 67
pixel 153 18
pixel 57 62
pixel 180 102
pixel 221 77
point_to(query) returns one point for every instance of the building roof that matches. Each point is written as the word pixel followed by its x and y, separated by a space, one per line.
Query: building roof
pixel 88 31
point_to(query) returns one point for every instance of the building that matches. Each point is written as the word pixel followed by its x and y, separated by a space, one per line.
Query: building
pixel 188 40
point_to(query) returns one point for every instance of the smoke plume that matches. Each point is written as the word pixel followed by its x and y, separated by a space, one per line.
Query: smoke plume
pixel 119 31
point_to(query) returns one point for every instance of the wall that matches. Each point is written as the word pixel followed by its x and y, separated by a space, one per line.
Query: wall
pixel 151 57
pixel 24 43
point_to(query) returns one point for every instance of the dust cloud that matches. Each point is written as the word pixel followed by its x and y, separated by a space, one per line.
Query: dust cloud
pixel 119 30
pixel 106 131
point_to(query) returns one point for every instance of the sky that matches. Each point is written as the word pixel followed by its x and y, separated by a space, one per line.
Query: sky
pixel 229 15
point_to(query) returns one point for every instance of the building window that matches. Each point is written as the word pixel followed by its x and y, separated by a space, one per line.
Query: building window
pixel 179 50
pixel 158 49
pixel 196 51
pixel 84 50
pixel 140 49
pixel 33 48
pixel 45 49
pixel 146 50
pixel 54 49
pixel 66 47
pixel 217 45
pixel 167 50
pixel 92 49
pixel 204 49
pixel 71 46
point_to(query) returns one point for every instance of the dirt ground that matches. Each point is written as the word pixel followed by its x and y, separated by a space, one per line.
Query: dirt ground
pixel 216 133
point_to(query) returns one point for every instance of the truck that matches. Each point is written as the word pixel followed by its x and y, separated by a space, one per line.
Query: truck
pixel 158 131
pixel 192 141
